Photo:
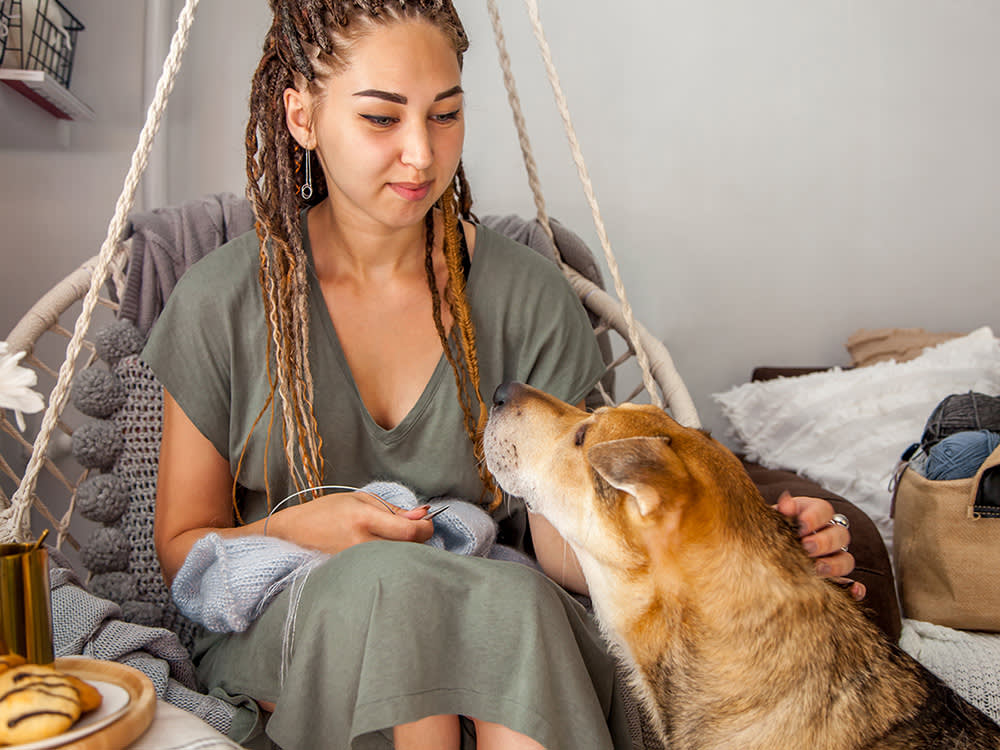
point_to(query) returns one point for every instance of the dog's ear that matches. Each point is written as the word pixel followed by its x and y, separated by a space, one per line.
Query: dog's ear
pixel 639 466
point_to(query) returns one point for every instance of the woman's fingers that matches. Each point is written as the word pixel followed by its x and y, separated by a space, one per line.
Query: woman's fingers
pixel 829 540
pixel 825 541
pixel 837 565
pixel 810 513
pixel 401 527
pixel 857 589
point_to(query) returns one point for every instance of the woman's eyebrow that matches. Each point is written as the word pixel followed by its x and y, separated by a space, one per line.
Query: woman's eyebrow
pixel 449 93
pixel 390 96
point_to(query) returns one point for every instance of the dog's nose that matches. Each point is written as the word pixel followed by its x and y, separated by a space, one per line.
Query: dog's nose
pixel 505 392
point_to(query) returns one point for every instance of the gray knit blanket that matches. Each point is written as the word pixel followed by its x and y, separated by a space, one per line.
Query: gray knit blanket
pixel 165 242
pixel 86 625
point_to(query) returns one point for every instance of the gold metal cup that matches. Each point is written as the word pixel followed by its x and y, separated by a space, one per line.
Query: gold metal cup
pixel 25 602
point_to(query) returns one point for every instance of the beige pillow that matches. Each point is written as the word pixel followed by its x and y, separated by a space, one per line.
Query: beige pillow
pixel 867 347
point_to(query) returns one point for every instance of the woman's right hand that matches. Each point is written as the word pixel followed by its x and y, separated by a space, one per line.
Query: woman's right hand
pixel 332 523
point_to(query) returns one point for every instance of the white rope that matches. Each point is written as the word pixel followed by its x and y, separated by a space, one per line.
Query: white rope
pixel 15 521
pixel 640 353
pixel 522 128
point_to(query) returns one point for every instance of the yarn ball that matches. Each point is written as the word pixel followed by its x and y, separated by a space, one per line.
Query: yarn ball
pixel 97 392
pixel 118 340
pixel 103 497
pixel 97 444
pixel 118 586
pixel 107 550
pixel 142 613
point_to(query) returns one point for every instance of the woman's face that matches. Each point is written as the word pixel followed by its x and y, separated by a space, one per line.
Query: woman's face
pixel 389 128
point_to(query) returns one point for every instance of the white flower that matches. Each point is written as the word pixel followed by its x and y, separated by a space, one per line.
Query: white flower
pixel 15 386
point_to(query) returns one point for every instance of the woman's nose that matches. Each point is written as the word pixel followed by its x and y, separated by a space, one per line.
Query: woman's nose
pixel 417 151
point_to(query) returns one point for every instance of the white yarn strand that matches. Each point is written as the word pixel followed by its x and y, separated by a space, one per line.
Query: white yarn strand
pixel 640 353
pixel 15 521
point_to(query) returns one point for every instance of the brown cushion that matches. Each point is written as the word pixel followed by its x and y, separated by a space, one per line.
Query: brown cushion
pixel 867 347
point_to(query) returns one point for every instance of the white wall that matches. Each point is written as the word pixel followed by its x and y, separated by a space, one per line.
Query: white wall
pixel 59 181
pixel 773 175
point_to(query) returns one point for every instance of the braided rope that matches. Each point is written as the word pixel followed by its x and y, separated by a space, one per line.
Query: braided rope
pixel 522 128
pixel 635 340
pixel 15 521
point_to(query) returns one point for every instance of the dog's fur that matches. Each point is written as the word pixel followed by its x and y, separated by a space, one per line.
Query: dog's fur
pixel 733 640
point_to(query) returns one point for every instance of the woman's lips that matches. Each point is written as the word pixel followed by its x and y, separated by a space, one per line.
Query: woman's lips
pixel 411 191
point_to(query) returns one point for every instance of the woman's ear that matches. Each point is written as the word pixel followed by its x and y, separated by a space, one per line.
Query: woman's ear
pixel 298 117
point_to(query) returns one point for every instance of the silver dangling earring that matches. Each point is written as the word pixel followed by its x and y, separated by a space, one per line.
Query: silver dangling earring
pixel 307 187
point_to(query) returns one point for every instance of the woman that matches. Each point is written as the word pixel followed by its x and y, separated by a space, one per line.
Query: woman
pixel 310 353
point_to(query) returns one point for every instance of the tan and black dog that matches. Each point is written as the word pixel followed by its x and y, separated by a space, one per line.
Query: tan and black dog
pixel 707 593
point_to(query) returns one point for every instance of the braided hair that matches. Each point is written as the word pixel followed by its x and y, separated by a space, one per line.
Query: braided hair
pixel 308 41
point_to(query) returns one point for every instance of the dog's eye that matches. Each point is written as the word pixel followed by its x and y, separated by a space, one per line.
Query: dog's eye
pixel 581 433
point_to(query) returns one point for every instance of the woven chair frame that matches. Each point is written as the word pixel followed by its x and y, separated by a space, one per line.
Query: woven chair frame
pixel 42 335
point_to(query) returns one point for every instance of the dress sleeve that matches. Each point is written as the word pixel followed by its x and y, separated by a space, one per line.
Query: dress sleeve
pixel 562 357
pixel 549 342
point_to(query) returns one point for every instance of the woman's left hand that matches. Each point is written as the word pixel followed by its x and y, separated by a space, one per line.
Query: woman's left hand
pixel 824 541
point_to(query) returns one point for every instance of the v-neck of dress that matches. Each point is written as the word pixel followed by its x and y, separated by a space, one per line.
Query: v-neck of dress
pixel 322 314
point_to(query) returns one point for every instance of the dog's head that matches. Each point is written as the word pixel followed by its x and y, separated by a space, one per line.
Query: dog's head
pixel 614 480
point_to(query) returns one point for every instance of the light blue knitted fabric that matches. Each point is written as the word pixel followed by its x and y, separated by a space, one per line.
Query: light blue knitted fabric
pixel 225 583
pixel 464 528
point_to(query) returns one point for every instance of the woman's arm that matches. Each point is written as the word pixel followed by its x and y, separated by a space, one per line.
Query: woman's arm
pixel 194 497
pixel 554 554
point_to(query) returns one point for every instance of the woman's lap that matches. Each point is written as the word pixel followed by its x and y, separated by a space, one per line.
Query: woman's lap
pixel 388 632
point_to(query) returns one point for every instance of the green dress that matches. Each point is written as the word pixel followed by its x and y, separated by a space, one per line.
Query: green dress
pixel 386 632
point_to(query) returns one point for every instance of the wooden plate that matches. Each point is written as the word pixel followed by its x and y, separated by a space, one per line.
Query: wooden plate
pixel 132 704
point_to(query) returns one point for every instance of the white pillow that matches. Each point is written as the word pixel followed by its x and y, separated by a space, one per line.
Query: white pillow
pixel 846 429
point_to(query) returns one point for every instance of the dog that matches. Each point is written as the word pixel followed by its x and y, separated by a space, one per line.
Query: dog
pixel 706 593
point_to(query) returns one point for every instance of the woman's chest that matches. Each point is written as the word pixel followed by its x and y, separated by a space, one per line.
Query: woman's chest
pixel 391 348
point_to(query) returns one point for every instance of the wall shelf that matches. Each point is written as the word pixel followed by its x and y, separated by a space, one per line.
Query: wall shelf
pixel 47 93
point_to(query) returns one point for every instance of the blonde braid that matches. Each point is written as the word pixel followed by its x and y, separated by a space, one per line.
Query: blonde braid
pixel 466 373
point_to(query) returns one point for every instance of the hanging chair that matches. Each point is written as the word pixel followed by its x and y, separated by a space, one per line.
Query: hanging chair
pixel 101 280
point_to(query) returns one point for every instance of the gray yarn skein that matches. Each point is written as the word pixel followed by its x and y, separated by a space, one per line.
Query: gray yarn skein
pixel 961 412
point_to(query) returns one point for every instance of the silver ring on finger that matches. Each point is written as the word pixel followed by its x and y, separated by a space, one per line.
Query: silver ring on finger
pixel 844 548
pixel 839 519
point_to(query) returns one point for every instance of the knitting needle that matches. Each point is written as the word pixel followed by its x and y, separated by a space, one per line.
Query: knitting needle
pixel 432 513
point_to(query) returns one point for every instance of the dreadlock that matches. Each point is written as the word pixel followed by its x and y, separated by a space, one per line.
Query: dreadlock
pixel 308 41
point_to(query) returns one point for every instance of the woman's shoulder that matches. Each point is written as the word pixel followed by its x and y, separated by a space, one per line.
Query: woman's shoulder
pixel 506 258
pixel 228 268
pixel 220 285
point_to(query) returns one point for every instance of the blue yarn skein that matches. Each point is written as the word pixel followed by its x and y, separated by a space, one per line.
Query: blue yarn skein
pixel 960 455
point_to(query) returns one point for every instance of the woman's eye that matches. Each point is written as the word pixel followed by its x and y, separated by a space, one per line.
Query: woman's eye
pixel 446 117
pixel 380 121
pixel 581 434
